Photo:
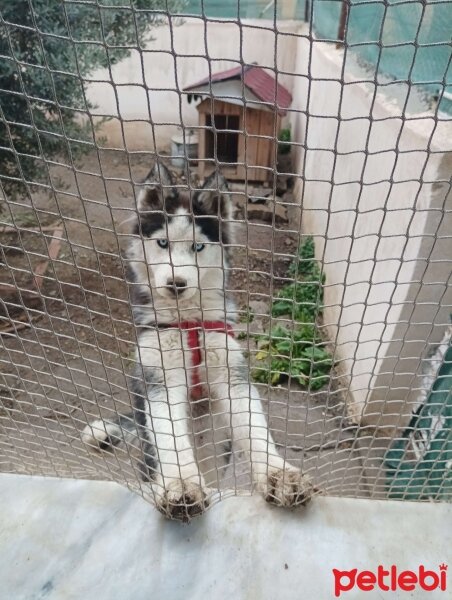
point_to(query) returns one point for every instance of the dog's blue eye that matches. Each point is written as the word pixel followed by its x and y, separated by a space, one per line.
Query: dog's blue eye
pixel 198 247
pixel 162 243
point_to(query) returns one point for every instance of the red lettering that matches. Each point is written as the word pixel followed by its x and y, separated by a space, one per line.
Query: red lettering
pixel 390 580
pixel 443 575
pixel 341 587
pixel 393 578
pixel 366 581
pixel 407 581
pixel 381 574
pixel 423 575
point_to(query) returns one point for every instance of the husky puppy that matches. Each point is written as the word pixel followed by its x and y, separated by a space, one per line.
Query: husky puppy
pixel 178 263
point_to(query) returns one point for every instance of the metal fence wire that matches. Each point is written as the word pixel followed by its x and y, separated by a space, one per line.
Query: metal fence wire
pixel 207 220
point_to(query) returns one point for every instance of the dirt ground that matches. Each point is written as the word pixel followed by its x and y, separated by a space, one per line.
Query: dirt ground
pixel 72 364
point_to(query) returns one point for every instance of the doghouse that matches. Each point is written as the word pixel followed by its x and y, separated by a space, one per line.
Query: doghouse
pixel 239 121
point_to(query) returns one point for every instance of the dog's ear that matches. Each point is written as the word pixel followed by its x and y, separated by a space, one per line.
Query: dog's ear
pixel 214 198
pixel 156 188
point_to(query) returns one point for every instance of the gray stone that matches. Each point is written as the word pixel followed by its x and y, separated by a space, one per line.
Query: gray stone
pixel 267 212
pixel 259 308
pixel 289 198
pixel 258 195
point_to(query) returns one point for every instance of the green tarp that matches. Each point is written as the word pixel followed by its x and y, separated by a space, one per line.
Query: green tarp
pixel 419 465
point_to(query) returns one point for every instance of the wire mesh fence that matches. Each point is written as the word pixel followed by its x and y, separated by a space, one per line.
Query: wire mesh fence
pixel 225 258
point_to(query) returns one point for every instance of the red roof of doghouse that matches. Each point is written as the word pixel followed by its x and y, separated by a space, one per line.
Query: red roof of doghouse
pixel 263 85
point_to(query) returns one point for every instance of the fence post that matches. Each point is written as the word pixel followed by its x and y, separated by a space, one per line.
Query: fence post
pixel 342 24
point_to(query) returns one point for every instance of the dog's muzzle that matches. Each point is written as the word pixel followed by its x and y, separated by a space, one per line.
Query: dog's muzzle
pixel 176 286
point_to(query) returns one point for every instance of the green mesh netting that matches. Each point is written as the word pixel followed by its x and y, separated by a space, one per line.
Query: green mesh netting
pixel 408 41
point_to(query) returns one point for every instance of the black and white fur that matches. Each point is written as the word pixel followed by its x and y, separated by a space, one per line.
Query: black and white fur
pixel 177 264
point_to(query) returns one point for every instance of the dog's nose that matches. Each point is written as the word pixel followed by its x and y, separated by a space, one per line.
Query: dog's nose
pixel 176 285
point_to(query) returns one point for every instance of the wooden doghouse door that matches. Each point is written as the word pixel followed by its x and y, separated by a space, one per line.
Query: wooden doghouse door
pixel 226 144
pixel 222 140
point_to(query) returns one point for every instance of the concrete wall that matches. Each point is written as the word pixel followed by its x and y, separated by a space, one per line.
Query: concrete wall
pixel 143 88
pixel 373 189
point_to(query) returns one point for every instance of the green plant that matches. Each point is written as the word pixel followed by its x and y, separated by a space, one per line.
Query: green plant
pixel 297 353
pixel 284 139
pixel 304 263
pixel 47 49
pixel 299 300
pixel 302 299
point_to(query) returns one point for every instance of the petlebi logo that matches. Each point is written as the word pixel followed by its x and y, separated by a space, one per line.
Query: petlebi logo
pixel 390 580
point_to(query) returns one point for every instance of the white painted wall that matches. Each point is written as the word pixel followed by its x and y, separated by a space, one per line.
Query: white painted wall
pixel 143 88
pixel 376 212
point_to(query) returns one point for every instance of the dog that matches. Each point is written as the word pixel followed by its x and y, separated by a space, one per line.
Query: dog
pixel 178 263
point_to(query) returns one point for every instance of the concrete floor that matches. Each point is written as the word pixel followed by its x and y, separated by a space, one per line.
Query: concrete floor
pixel 63 539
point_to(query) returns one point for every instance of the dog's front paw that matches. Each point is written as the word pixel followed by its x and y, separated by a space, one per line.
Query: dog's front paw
pixel 288 487
pixel 182 500
pixel 101 435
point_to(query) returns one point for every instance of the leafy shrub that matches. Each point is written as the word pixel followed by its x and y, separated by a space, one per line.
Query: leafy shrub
pixel 302 299
pixel 298 353
pixel 293 354
pixel 305 263
pixel 46 48
pixel 299 301
pixel 284 137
